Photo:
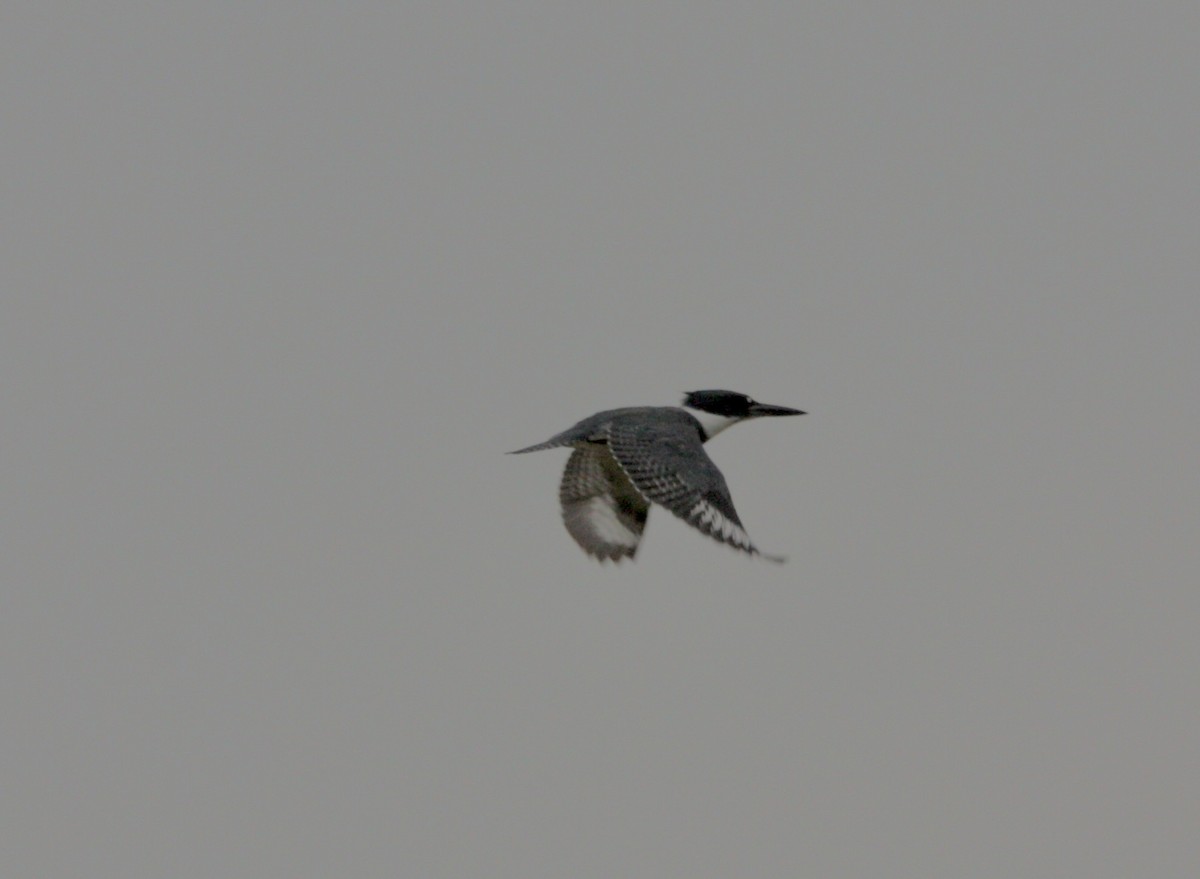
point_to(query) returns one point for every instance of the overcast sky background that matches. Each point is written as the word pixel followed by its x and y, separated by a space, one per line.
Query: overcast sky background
pixel 282 282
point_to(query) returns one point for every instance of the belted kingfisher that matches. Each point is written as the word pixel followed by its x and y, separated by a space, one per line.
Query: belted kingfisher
pixel 624 459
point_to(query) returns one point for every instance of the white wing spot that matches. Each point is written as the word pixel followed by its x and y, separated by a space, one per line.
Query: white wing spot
pixel 711 519
pixel 605 524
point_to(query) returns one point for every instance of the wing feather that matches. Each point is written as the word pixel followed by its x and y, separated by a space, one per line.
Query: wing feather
pixel 600 506
pixel 671 468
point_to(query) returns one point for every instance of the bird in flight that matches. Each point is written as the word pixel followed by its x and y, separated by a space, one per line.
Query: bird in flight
pixel 626 459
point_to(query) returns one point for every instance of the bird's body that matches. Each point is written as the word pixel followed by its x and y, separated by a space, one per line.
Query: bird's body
pixel 626 459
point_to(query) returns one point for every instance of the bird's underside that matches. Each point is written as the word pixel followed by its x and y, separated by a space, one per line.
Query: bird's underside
pixel 620 465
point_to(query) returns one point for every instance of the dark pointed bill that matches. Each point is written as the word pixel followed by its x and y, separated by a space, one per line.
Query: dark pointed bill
pixel 759 409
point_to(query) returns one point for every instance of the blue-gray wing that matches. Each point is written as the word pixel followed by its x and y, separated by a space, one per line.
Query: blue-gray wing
pixel 669 466
pixel 600 507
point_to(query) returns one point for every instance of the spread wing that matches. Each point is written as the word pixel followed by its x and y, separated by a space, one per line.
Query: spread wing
pixel 600 507
pixel 671 468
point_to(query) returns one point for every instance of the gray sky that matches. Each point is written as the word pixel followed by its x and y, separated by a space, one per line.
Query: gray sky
pixel 283 282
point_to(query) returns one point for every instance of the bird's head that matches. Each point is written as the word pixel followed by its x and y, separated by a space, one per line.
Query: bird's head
pixel 716 410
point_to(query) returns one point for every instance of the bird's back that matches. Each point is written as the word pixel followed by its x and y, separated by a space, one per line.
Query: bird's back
pixel 595 428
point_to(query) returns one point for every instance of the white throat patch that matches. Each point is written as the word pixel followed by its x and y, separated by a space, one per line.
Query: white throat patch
pixel 711 422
